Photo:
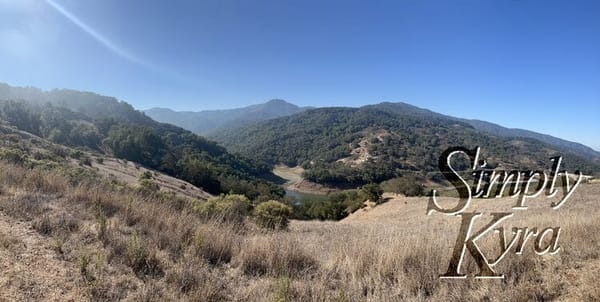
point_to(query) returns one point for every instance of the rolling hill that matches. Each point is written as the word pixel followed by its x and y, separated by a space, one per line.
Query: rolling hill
pixel 353 146
pixel 494 129
pixel 104 124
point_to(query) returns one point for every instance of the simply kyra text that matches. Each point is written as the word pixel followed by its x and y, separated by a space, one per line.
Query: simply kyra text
pixel 490 183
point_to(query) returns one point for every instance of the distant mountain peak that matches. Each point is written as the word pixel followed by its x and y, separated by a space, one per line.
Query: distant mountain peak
pixel 278 102
pixel 206 121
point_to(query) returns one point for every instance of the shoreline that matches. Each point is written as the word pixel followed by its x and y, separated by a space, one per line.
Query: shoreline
pixel 296 183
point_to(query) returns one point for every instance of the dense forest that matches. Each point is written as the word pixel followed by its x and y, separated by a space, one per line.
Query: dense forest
pixel 393 139
pixel 111 127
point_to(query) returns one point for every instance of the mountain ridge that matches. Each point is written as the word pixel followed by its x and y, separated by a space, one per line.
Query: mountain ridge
pixel 98 106
pixel 207 121
pixel 180 118
pixel 499 130
pixel 346 147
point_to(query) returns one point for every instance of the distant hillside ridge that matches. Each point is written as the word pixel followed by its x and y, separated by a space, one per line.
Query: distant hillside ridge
pixel 205 122
pixel 347 147
pixel 495 129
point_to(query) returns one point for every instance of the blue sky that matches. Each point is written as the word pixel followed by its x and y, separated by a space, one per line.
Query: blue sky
pixel 526 64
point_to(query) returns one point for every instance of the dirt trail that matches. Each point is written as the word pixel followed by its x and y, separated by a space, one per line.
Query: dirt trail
pixel 30 269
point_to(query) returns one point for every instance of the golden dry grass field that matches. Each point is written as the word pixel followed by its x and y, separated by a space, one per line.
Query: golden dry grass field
pixel 99 240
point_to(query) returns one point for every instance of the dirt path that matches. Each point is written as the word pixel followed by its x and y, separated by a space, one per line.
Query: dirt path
pixel 30 269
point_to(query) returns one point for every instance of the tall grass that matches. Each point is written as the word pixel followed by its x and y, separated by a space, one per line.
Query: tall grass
pixel 148 247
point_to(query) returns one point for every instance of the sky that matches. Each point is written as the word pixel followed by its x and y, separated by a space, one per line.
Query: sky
pixel 519 63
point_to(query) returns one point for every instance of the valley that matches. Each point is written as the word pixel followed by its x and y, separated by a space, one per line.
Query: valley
pixel 299 151
pixel 323 205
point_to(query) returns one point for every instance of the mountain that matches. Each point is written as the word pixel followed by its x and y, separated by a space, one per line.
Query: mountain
pixel 205 122
pixel 86 103
pixel 106 125
pixel 353 146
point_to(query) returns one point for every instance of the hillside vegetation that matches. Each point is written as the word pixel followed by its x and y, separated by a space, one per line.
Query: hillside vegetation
pixel 346 147
pixel 105 125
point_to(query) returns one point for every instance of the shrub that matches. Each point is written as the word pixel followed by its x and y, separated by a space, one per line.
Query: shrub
pixel 272 214
pixel 84 262
pixel 86 161
pixel 336 206
pixel 372 191
pixel 76 154
pixel 13 156
pixel 147 186
pixel 324 210
pixel 407 185
pixel 146 175
pixel 230 207
pixel 102 221
pixel 283 290
pixel 141 260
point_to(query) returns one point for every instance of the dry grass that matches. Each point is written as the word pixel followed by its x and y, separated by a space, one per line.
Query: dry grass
pixel 120 244
pixel 8 242
pixel 275 255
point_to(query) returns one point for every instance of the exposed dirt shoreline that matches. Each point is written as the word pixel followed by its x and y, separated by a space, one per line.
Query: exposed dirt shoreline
pixel 296 183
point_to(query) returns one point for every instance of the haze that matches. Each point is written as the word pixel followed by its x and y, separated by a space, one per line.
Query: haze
pixel 526 64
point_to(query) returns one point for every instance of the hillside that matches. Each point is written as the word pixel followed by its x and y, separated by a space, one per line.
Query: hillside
pixel 204 122
pixel 558 143
pixel 25 149
pixel 497 130
pixel 105 125
pixel 353 146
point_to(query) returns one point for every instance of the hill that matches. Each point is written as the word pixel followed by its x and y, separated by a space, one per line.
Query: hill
pixel 346 147
pixel 205 122
pixel 27 150
pixel 560 144
pixel 497 130
pixel 106 125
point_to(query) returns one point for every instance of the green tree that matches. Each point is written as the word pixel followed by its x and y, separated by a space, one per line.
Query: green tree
pixel 373 192
pixel 230 207
pixel 272 214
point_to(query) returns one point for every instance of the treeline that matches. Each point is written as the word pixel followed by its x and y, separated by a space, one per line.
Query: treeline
pixel 336 205
pixel 158 146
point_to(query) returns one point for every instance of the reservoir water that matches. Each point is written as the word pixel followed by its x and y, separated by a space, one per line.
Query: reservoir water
pixel 300 197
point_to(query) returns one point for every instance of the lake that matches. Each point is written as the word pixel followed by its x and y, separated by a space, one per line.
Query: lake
pixel 300 197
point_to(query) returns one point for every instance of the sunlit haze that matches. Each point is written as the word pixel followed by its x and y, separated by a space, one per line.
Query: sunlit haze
pixel 524 64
